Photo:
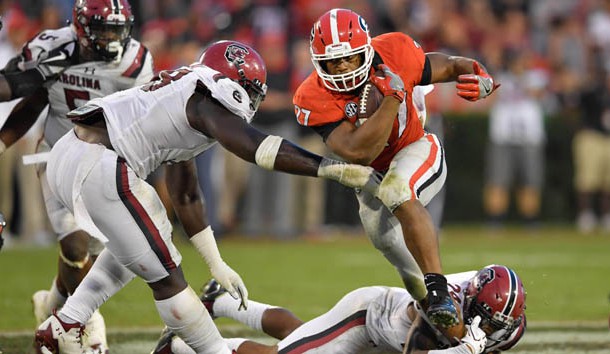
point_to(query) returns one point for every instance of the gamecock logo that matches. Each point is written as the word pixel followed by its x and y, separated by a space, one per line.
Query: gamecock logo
pixel 485 276
pixel 236 53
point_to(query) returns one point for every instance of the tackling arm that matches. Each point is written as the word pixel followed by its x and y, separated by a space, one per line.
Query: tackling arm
pixel 22 117
pixel 271 152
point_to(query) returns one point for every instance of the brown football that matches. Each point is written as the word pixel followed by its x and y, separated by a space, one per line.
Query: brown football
pixel 368 101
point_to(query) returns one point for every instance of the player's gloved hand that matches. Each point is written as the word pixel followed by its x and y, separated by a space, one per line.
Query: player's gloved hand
pixel 473 87
pixel 230 280
pixel 350 175
pixel 390 84
pixel 475 338
pixel 205 243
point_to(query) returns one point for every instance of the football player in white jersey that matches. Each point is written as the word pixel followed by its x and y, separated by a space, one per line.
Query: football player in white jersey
pixel 63 69
pixel 98 169
pixel 379 319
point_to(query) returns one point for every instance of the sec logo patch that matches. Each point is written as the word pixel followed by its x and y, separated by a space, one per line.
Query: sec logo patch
pixel 351 108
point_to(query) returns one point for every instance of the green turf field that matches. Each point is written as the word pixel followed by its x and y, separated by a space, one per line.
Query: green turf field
pixel 566 275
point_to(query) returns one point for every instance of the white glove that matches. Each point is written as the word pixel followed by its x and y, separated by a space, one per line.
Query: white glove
pixel 350 175
pixel 205 244
pixel 475 338
pixel 231 281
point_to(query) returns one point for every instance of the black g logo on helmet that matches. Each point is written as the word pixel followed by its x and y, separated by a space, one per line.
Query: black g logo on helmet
pixel 236 54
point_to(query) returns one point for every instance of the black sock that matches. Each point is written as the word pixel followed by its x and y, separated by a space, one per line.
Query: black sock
pixel 436 284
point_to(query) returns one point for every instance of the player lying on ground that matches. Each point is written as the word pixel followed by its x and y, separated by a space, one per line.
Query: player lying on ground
pixel 380 319
pixel 98 172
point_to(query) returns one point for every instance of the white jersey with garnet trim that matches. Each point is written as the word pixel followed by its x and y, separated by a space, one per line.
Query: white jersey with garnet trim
pixel 79 83
pixel 148 125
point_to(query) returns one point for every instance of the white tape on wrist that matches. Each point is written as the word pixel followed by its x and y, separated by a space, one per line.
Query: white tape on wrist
pixel 267 151
pixel 331 169
pixel 205 244
pixel 2 147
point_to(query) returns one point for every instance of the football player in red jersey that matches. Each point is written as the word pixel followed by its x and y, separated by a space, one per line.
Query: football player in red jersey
pixel 379 319
pixel 392 140
pixel 62 69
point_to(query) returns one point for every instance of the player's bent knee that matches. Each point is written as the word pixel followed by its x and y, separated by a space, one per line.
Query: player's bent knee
pixel 393 191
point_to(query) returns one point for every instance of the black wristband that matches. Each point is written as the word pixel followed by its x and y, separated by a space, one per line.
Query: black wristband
pixel 437 283
pixel 24 83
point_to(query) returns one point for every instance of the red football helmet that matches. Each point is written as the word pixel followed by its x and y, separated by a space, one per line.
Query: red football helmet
pixel 103 26
pixel 341 33
pixel 240 63
pixel 497 295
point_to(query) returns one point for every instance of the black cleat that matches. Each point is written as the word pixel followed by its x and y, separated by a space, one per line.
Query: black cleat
pixel 210 291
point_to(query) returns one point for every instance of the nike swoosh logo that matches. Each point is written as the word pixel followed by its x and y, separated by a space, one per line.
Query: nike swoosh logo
pixel 486 84
pixel 60 57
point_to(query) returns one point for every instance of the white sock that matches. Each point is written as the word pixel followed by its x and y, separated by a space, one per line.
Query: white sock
pixel 55 300
pixel 186 316
pixel 106 277
pixel 226 306
pixel 234 343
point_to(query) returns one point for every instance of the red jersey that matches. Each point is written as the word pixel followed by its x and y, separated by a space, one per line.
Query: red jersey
pixel 315 105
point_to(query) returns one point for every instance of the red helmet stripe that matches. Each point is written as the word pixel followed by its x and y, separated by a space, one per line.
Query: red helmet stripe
pixel 513 292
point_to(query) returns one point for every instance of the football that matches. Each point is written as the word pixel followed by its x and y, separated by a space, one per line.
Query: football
pixel 368 101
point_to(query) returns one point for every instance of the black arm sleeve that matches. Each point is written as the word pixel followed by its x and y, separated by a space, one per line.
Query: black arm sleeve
pixel 426 75
pixel 326 129
pixel 24 83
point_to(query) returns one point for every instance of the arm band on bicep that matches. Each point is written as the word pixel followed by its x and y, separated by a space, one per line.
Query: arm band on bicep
pixel 24 83
pixel 267 151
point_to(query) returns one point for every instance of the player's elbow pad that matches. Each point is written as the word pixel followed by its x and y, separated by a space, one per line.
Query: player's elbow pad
pixel 24 83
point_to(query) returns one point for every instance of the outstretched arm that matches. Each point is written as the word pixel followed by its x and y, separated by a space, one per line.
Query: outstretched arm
pixel 268 151
pixel 22 117
pixel 187 199
pixel 473 80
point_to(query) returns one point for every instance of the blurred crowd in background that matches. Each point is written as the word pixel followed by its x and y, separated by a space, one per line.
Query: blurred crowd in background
pixel 551 56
